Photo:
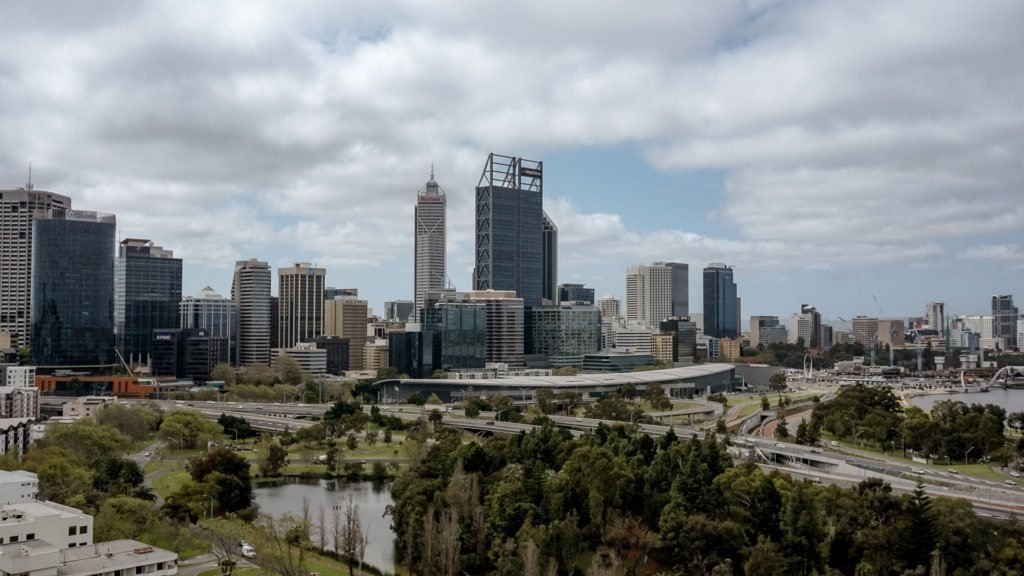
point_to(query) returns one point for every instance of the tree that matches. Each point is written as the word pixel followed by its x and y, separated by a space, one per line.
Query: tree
pixel 766 559
pixel 188 429
pixel 88 441
pixel 387 436
pixel 224 536
pixel 777 383
pixel 282 543
pixel 228 473
pixel 288 370
pixel 115 475
pixel 351 539
pixel 236 426
pixel 435 417
pixel 225 373
pixel 765 404
pixel 545 400
pixel 135 422
pixel 271 457
pixel 124 517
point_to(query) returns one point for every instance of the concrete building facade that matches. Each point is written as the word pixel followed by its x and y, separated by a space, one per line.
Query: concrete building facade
pixel 19 208
pixel 250 291
pixel 505 325
pixel 346 317
pixel 300 316
pixel 429 241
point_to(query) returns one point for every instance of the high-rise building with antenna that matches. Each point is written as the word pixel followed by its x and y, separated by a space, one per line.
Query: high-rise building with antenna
pixel 429 234
pixel 19 208
pixel 509 228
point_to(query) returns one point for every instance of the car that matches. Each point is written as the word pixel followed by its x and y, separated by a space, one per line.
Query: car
pixel 780 445
pixel 814 451
pixel 815 479
pixel 917 471
pixel 1011 483
pixel 248 551
pixel 147 454
pixel 490 423
pixel 952 471
pixel 1014 473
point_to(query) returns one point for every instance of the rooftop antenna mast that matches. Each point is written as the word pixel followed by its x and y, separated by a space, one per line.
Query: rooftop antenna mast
pixel 29 185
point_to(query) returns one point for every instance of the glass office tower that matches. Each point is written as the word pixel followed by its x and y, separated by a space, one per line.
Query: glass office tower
pixel 73 289
pixel 147 292
pixel 509 235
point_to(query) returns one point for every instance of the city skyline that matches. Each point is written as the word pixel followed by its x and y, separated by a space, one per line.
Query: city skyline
pixel 891 161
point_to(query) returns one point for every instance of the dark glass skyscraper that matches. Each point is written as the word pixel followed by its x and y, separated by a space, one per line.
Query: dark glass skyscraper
pixel 509 233
pixel 720 305
pixel 73 289
pixel 460 331
pixel 549 274
pixel 147 292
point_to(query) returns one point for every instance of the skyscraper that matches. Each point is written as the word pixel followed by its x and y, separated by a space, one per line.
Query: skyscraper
pixel 429 238
pixel 935 313
pixel 250 290
pixel 1004 321
pixel 504 325
pixel 610 309
pixel 649 294
pixel 719 301
pixel 19 208
pixel 680 288
pixel 345 317
pixel 549 268
pixel 300 304
pixel 212 313
pixel 147 293
pixel 509 230
pixel 73 288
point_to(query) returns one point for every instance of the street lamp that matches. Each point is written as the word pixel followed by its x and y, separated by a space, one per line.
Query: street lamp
pixel 968 453
pixel 497 415
pixel 523 390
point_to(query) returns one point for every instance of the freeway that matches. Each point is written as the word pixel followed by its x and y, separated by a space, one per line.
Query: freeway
pixel 823 465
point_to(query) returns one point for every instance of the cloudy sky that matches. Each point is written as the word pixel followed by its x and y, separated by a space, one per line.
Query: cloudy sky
pixel 830 151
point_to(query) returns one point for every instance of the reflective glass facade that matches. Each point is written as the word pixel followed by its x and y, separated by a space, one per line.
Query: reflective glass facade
pixel 147 292
pixel 720 305
pixel 564 335
pixel 460 332
pixel 73 290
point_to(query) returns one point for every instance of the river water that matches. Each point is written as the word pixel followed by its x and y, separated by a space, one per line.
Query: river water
pixel 1012 400
pixel 372 499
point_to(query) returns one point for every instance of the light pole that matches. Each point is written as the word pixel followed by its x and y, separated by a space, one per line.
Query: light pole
pixel 968 453
pixel 523 391
pixel 497 415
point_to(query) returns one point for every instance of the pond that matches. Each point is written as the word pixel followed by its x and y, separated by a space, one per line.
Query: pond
pixel 372 498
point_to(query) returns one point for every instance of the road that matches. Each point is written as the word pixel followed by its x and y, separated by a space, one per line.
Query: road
pixel 989 497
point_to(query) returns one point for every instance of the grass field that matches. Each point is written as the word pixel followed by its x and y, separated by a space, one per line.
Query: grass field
pixel 171 483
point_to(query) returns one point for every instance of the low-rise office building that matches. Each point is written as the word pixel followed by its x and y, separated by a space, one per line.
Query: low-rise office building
pixel 308 356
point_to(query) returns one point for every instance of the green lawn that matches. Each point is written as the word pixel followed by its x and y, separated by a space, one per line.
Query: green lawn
pixel 169 484
pixel 235 572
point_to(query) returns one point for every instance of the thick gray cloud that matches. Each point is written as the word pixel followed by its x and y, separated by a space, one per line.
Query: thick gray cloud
pixel 870 132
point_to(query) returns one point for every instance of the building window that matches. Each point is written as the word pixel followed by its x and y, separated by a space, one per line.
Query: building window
pixel 72 530
pixel 72 545
pixel 14 539
pixel 30 536
pixel 83 530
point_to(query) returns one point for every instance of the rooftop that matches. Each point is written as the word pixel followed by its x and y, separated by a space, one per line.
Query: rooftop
pixel 110 556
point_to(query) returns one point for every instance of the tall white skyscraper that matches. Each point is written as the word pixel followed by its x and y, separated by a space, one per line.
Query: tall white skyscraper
pixel 250 291
pixel 431 205
pixel 18 209
pixel 649 297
